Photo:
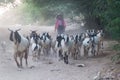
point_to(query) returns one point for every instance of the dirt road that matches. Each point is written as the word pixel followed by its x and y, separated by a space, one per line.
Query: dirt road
pixel 42 70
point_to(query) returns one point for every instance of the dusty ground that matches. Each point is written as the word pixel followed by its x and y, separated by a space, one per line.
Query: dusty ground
pixel 42 70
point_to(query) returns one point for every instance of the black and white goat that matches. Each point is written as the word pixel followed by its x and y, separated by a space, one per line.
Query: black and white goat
pixel 73 45
pixel 21 46
pixel 35 45
pixel 98 41
pixel 62 48
pixel 86 46
pixel 46 43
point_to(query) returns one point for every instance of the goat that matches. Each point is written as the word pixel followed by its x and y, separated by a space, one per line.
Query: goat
pixel 98 41
pixel 92 34
pixel 46 43
pixel 53 43
pixel 87 45
pixel 73 46
pixel 35 46
pixel 21 46
pixel 62 48
pixel 77 46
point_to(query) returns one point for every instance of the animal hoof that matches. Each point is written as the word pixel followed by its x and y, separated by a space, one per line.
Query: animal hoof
pixel 32 67
pixel 66 62
pixel 80 65
pixel 20 67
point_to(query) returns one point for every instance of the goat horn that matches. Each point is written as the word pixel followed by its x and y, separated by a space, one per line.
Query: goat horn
pixel 34 30
pixel 9 29
pixel 18 29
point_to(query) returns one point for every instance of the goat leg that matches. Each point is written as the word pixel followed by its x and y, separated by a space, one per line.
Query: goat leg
pixel 76 54
pixel 93 51
pixel 26 57
pixel 15 57
pixel 85 52
pixel 97 49
pixel 54 50
pixel 102 44
pixel 60 55
pixel 21 61
pixel 39 54
pixel 65 58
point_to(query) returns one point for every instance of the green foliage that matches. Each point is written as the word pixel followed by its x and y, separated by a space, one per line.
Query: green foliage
pixel 116 47
pixel 43 11
pixel 105 13
pixel 6 1
pixel 116 58
pixel 30 13
pixel 114 28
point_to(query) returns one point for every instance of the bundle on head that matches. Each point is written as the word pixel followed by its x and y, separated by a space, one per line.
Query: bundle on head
pixel 21 46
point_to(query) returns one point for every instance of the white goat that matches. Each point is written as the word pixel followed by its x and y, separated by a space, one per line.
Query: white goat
pixel 21 47
pixel 36 51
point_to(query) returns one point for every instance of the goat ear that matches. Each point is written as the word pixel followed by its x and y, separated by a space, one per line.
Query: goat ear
pixel 17 37
pixel 9 29
pixel 11 36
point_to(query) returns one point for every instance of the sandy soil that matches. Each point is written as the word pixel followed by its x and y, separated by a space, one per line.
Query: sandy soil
pixel 42 70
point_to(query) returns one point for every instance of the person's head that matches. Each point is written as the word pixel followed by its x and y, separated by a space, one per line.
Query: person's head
pixel 59 16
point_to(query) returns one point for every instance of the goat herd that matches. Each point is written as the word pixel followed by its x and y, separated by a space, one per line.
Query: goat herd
pixel 65 46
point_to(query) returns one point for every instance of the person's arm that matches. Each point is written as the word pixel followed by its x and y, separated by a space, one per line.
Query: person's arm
pixel 56 25
pixel 64 24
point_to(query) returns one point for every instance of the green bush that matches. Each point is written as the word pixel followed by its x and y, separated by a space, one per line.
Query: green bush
pixel 114 28
pixel 43 14
pixel 30 13
pixel 116 58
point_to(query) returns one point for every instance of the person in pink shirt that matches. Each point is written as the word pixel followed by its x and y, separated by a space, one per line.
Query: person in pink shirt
pixel 60 24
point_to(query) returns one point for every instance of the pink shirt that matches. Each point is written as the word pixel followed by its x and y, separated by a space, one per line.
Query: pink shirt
pixel 59 22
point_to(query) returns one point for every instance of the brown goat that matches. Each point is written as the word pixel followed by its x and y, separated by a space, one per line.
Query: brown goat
pixel 21 47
